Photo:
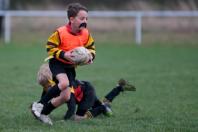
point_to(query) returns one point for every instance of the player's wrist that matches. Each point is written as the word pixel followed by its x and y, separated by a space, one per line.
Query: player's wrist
pixel 67 55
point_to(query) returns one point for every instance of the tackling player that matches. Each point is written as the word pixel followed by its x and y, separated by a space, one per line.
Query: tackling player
pixel 82 94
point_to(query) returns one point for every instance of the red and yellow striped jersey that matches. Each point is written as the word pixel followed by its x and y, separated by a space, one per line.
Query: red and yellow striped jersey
pixel 63 40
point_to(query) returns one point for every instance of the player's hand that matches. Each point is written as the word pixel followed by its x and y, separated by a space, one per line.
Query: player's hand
pixel 68 56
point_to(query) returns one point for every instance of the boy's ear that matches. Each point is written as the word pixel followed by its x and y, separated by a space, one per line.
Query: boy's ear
pixel 71 19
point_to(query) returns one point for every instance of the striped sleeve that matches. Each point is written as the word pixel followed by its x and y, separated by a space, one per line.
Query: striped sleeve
pixel 52 47
pixel 90 46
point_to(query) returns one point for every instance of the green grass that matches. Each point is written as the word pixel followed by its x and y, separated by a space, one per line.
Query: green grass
pixel 166 78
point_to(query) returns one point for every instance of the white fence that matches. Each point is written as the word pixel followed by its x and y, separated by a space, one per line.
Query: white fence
pixel 137 14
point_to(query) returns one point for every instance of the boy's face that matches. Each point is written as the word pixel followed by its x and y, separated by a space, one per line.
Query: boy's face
pixel 80 21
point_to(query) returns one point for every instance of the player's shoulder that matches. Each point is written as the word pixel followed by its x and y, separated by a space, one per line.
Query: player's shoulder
pixel 54 38
pixel 61 28
pixel 82 82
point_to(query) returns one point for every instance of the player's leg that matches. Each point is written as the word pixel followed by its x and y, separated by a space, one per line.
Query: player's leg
pixel 52 92
pixel 57 69
pixel 90 101
pixel 50 106
pixel 62 81
pixel 101 109
pixel 123 85
pixel 104 107
pixel 63 97
pixel 56 90
pixel 54 103
pixel 41 109
pixel 112 94
pixel 97 103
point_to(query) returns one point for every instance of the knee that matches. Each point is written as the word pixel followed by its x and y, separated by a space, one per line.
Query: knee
pixel 63 85
pixel 65 95
pixel 66 98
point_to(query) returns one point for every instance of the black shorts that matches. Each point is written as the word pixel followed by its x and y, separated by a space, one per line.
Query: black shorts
pixel 58 67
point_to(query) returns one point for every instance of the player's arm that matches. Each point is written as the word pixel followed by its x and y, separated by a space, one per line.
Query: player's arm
pixel 79 118
pixel 52 48
pixel 91 47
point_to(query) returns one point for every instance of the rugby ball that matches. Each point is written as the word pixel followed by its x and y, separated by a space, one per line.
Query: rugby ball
pixel 80 55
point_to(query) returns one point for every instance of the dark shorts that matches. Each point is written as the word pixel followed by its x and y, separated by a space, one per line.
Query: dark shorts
pixel 58 67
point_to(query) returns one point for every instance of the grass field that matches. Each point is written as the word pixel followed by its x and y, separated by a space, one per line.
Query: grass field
pixel 166 99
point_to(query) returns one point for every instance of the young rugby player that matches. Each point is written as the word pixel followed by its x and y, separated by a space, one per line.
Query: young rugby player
pixel 65 38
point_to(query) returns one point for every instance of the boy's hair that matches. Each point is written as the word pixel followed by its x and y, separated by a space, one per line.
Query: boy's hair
pixel 44 75
pixel 74 8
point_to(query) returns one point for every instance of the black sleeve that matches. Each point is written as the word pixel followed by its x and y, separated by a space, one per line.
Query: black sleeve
pixel 71 104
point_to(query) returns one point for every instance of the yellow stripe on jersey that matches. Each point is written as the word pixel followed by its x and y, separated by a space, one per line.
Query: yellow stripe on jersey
pixel 92 51
pixel 54 38
pixel 52 83
pixel 52 51
pixel 52 46
pixel 72 89
pixel 90 46
pixel 58 53
pixel 90 41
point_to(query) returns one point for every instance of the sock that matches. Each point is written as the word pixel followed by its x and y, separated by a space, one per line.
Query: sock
pixel 43 93
pixel 53 92
pixel 113 93
pixel 96 111
pixel 48 108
